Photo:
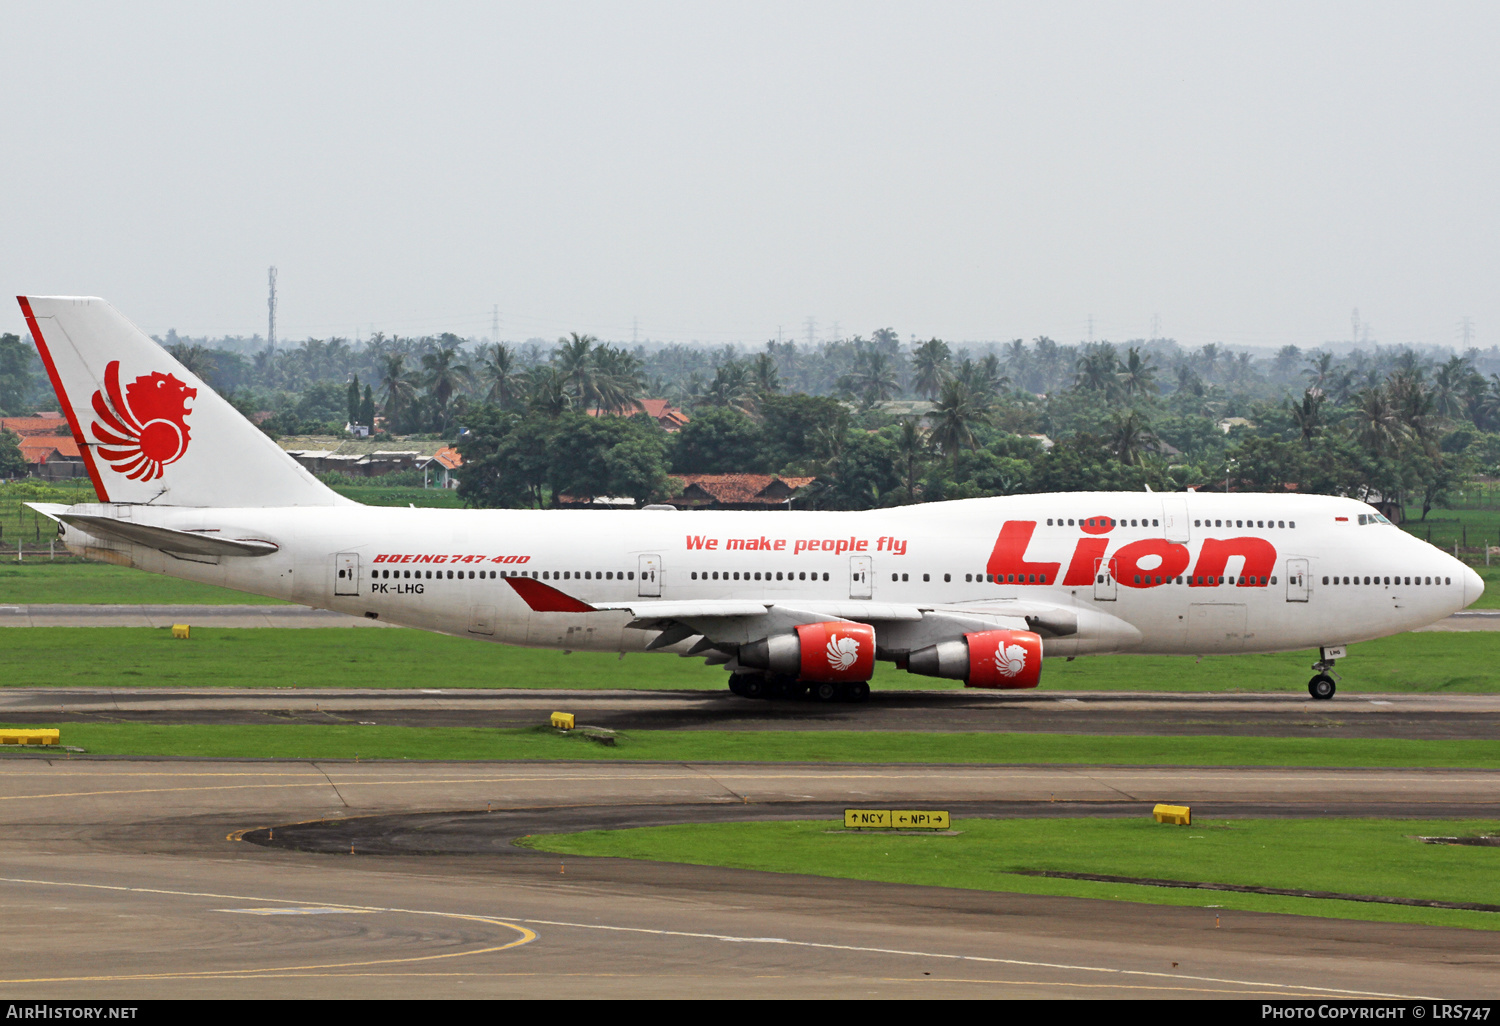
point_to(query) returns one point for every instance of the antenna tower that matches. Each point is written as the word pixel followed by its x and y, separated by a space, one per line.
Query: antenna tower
pixel 1466 329
pixel 812 331
pixel 271 308
pixel 495 324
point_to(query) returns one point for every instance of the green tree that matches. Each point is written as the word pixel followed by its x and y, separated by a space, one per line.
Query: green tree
pixel 12 462
pixel 15 373
pixel 791 425
pixel 718 440
pixel 932 363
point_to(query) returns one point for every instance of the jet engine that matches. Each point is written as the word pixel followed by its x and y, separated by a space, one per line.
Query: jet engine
pixel 985 659
pixel 835 650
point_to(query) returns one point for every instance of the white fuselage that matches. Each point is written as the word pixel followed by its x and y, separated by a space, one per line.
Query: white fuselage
pixel 1179 573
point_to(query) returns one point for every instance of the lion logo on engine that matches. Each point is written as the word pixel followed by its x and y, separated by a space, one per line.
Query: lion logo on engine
pixel 144 428
pixel 842 652
pixel 1009 660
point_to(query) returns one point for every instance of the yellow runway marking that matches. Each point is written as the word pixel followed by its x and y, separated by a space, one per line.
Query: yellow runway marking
pixel 527 936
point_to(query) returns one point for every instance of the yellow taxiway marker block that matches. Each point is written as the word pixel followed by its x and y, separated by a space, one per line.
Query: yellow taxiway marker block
pixel 563 721
pixel 179 630
pixel 1179 815
pixel 28 736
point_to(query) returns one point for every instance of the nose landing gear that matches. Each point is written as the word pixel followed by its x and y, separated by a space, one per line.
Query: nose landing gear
pixel 1322 686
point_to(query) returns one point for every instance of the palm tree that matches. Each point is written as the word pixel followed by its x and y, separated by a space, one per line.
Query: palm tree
pixel 932 364
pixel 444 378
pixel 767 378
pixel 1130 434
pixel 618 380
pixel 1209 356
pixel 873 378
pixel 197 358
pixel 732 386
pixel 1448 385
pixel 574 359
pixel 1377 422
pixel 498 375
pixel 1049 357
pixel 959 411
pixel 911 446
pixel 398 389
pixel 1137 375
pixel 547 391
pixel 1095 369
pixel 1307 414
pixel 1319 369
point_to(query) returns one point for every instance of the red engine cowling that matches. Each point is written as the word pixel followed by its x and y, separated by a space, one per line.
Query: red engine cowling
pixel 835 650
pixel 984 659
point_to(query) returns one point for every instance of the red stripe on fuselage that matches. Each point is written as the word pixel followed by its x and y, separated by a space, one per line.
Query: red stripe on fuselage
pixel 543 598
pixel 62 397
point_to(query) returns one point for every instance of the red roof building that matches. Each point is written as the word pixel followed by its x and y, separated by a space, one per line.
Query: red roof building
pixel 737 491
pixel 664 413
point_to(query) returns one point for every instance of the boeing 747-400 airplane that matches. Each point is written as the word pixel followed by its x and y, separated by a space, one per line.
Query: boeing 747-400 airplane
pixel 978 590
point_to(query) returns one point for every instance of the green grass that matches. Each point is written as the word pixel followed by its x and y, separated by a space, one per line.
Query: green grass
pixel 309 741
pixel 42 582
pixel 1347 856
pixel 319 657
pixel 334 657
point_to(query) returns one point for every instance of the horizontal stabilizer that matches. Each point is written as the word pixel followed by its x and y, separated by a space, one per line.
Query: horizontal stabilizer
pixel 198 543
pixel 50 510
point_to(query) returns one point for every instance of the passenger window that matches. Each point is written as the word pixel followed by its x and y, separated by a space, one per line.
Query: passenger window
pixel 1197 524
pixel 825 577
pixel 1325 580
pixel 990 578
pixel 893 577
pixel 926 578
pixel 630 576
pixel 1070 521
pixel 903 577
pixel 947 578
pixel 969 578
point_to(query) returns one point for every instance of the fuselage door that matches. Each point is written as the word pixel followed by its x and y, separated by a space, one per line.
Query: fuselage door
pixel 1104 580
pixel 1298 581
pixel 1175 520
pixel 481 619
pixel 346 573
pixel 650 579
pixel 859 576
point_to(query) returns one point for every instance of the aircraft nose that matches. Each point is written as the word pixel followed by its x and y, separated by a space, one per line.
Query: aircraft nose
pixel 1473 586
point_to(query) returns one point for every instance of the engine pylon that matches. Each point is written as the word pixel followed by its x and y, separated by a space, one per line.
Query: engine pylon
pixel 984 659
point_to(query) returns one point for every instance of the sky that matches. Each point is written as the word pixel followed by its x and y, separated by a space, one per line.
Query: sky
pixel 1247 173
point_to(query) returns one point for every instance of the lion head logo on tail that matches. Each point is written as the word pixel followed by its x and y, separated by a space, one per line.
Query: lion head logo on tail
pixel 144 428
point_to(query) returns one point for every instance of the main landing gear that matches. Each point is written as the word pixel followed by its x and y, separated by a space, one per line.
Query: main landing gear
pixel 1322 686
pixel 760 685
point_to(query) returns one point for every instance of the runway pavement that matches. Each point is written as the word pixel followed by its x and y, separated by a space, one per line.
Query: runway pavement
pixel 1291 714
pixel 131 880
pixel 59 615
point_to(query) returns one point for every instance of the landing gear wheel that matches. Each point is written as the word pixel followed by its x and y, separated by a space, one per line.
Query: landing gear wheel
pixel 827 691
pixel 859 691
pixel 1321 687
pixel 748 685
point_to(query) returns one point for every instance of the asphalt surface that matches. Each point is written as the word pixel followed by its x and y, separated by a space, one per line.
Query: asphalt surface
pixel 60 615
pixel 1292 714
pixel 133 879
